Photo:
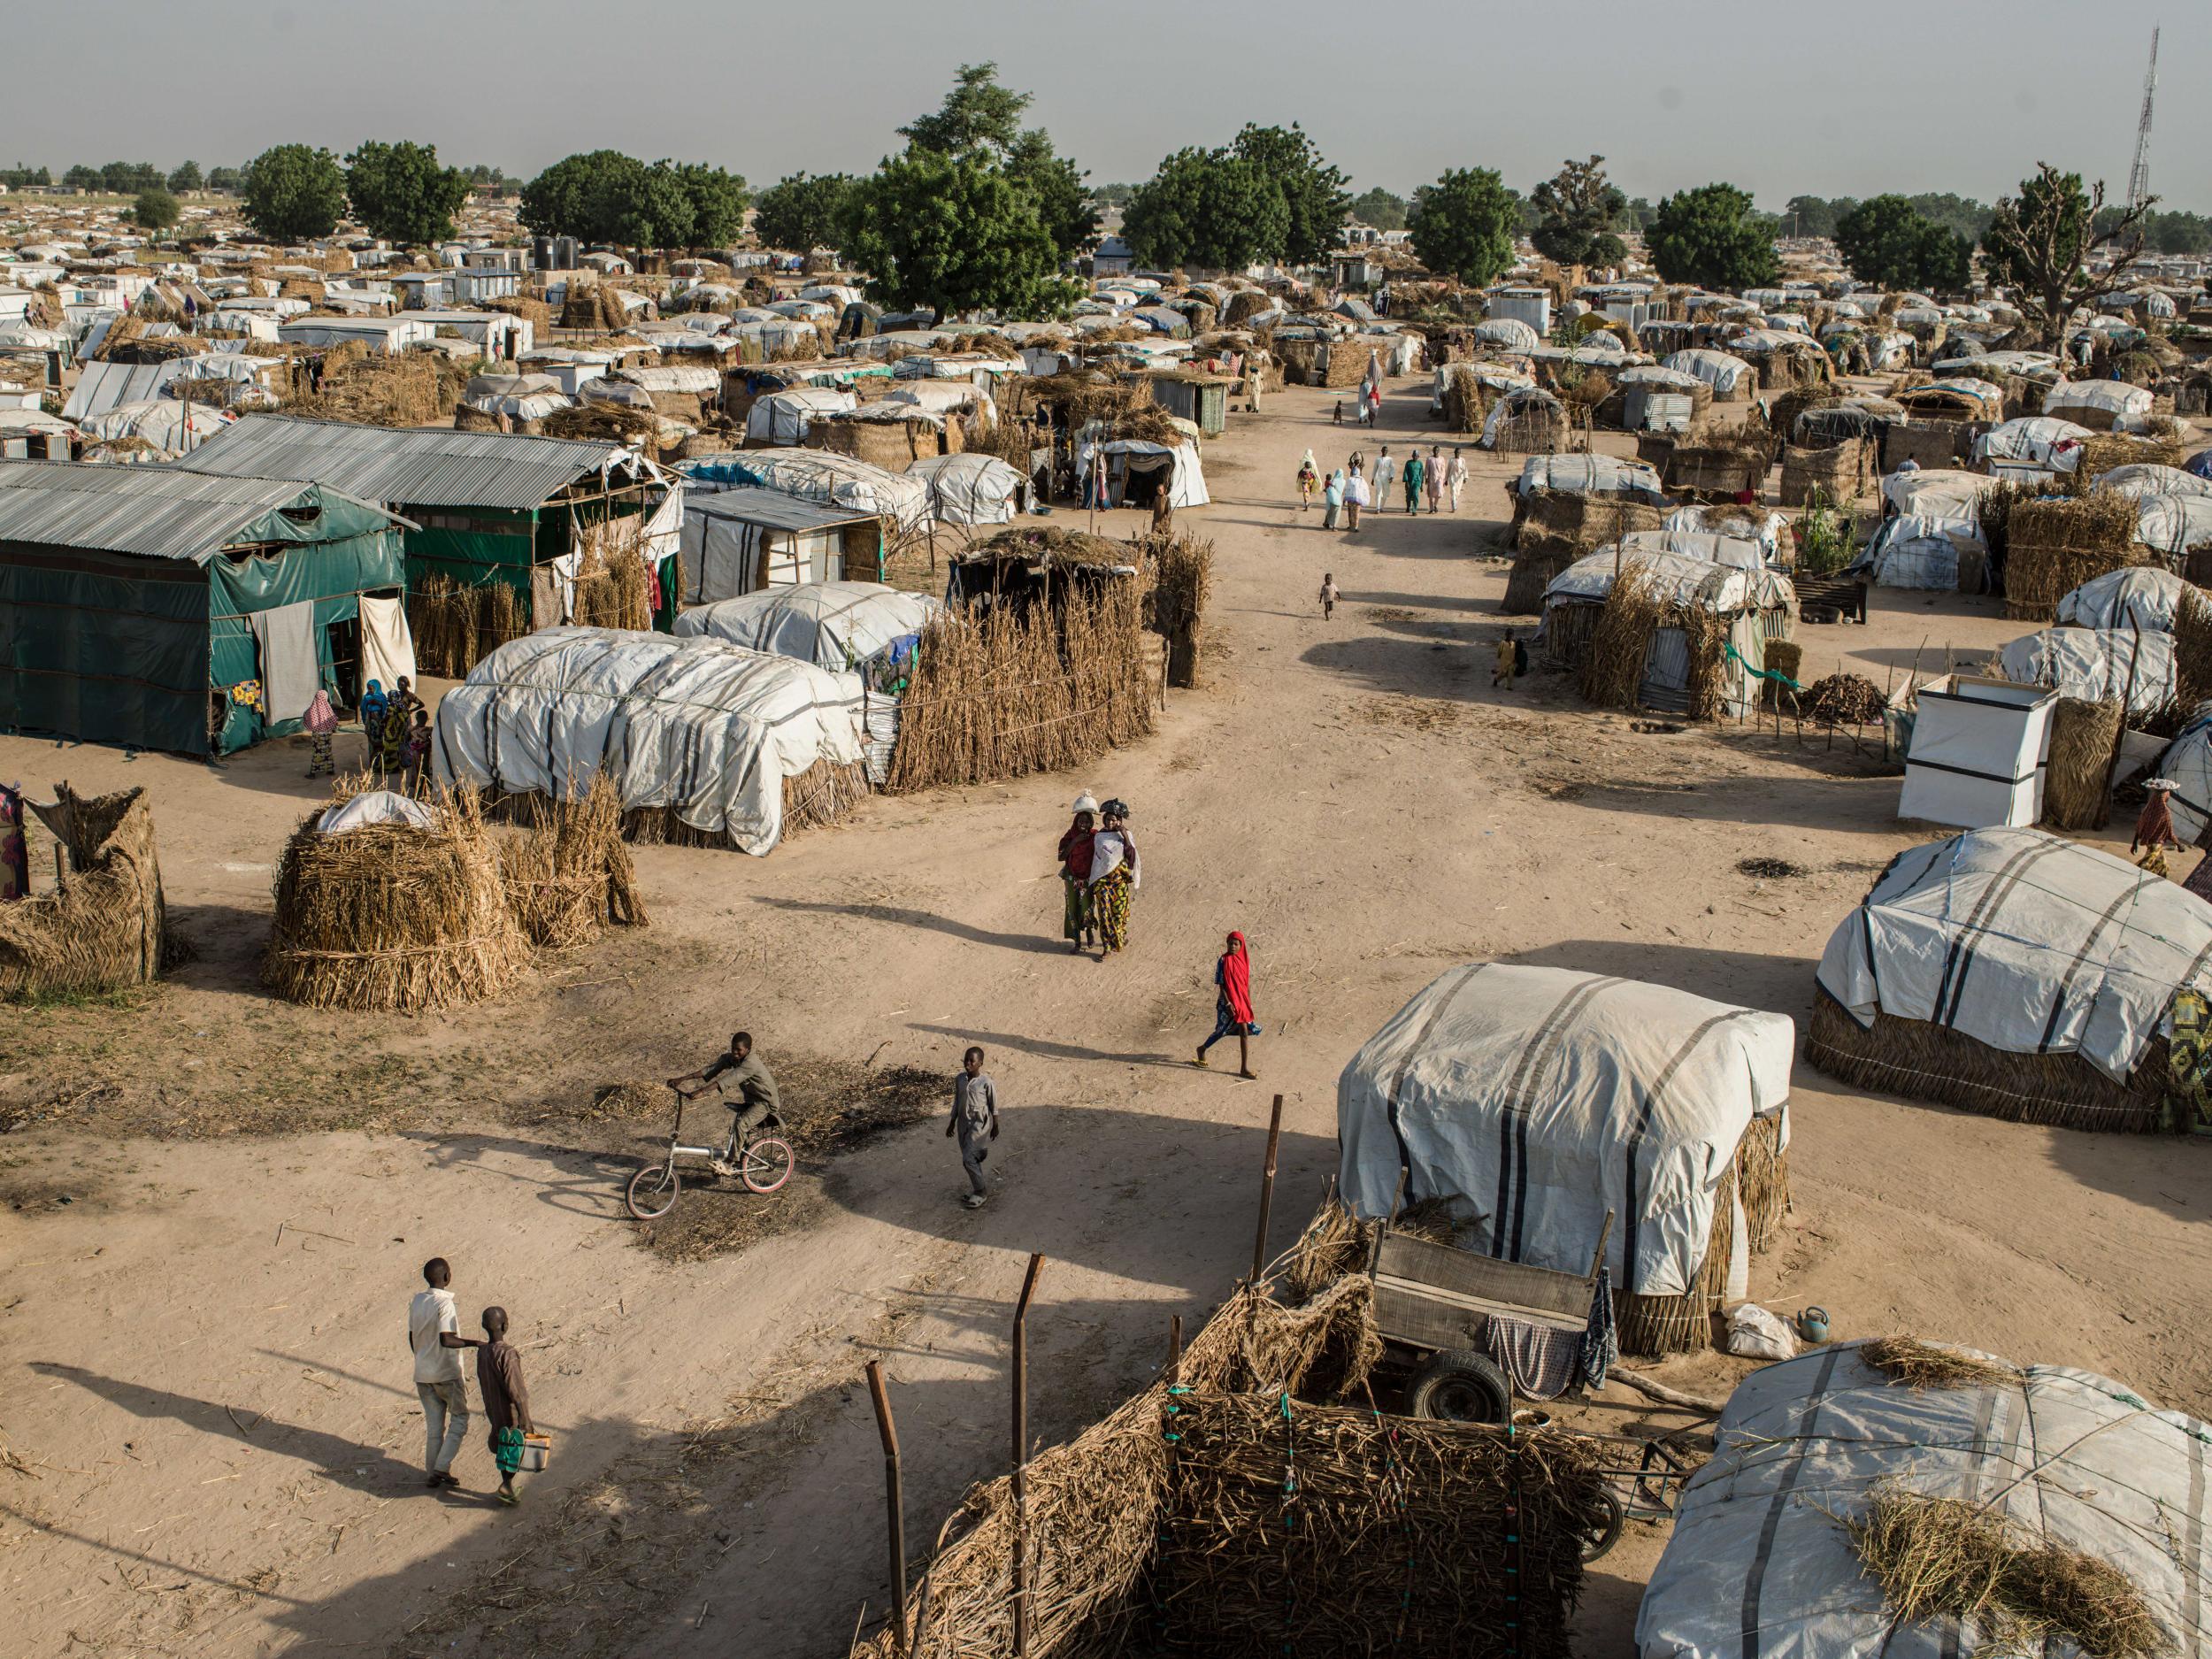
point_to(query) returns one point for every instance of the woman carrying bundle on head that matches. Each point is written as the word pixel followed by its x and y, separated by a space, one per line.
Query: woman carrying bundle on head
pixel 1115 878
pixel 1232 1004
pixel 1076 923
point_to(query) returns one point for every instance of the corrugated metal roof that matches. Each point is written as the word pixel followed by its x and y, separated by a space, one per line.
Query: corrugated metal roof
pixel 153 512
pixel 405 468
pixel 769 507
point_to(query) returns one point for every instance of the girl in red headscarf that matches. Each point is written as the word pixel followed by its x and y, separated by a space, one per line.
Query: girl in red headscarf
pixel 1233 1007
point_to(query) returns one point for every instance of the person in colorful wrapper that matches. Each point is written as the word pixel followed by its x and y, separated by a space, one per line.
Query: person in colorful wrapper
pixel 506 1401
pixel 1077 926
pixel 319 723
pixel 1232 1005
pixel 1115 878
pixel 415 750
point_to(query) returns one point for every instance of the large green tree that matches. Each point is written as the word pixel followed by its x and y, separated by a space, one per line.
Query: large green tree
pixel 293 192
pixel 1464 225
pixel 401 193
pixel 1314 198
pixel 1814 215
pixel 954 232
pixel 1380 208
pixel 1206 207
pixel 802 210
pixel 980 121
pixel 127 178
pixel 1577 209
pixel 1712 237
pixel 155 210
pixel 1886 242
pixel 186 178
pixel 2039 244
pixel 231 180
pixel 718 199
pixel 604 196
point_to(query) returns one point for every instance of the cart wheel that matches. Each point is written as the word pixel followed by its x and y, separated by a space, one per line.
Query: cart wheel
pixel 1604 1528
pixel 1458 1386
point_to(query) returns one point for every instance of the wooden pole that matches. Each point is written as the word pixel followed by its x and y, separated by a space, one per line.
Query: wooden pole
pixel 1174 1346
pixel 1267 1188
pixel 894 1496
pixel 1021 1457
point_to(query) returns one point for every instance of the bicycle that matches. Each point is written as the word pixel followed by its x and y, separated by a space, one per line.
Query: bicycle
pixel 763 1162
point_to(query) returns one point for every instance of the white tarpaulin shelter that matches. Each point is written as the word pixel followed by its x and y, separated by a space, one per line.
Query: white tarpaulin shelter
pixel 2145 479
pixel 1128 459
pixel 1938 491
pixel 1722 371
pixel 734 542
pixel 1678 581
pixel 2039 440
pixel 2134 596
pixel 2106 405
pixel 2025 941
pixel 1922 550
pixel 1591 475
pixel 1737 552
pixel 1509 332
pixel 2188 762
pixel 172 427
pixel 817 475
pixel 707 729
pixel 1769 531
pixel 970 488
pixel 2174 524
pixel 1534 1100
pixel 2124 665
pixel 1761 1566
pixel 784 418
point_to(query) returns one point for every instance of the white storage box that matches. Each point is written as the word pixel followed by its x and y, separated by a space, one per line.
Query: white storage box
pixel 1979 750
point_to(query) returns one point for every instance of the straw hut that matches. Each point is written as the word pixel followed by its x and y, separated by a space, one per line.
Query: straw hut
pixel 106 926
pixel 1837 473
pixel 1666 631
pixel 2101 405
pixel 2055 544
pixel 1527 420
pixel 706 744
pixel 1731 379
pixel 1565 506
pixel 1912 1500
pixel 1529 1103
pixel 2076 959
pixel 384 904
pixel 890 435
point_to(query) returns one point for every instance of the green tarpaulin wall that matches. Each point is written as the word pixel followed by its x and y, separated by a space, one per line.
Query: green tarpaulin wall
pixel 112 648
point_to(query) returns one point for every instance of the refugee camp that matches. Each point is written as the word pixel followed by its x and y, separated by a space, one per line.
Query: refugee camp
pixel 1106 836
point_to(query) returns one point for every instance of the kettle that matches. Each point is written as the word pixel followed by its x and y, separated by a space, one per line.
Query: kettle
pixel 1812 1325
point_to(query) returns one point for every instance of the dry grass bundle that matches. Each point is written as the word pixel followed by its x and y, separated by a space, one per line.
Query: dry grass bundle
pixel 456 627
pixel 1001 691
pixel 1185 565
pixel 893 445
pixel 1913 1363
pixel 391 916
pixel 1706 634
pixel 1929 1061
pixel 614 587
pixel 2105 450
pixel 1785 657
pixel 1838 473
pixel 106 925
pixel 594 306
pixel 1532 426
pixel 212 391
pixel 1464 401
pixel 570 869
pixel 1554 527
pixel 2192 649
pixel 1612 669
pixel 532 311
pixel 2056 544
pixel 1944 1560
pixel 1649 1327
pixel 413 389
pixel 1844 700
pixel 2083 737
pixel 823 792
pixel 618 422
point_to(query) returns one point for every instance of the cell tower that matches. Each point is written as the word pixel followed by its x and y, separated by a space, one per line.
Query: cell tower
pixel 2139 174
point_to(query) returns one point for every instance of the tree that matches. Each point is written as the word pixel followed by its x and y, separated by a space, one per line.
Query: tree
pixel 1961 214
pixel 81 177
pixel 604 196
pixel 2180 233
pixel 228 179
pixel 1055 183
pixel 155 210
pixel 718 200
pixel 1113 194
pixel 1577 207
pixel 293 192
pixel 20 177
pixel 1710 236
pixel 1312 190
pixel 1379 208
pixel 402 194
pixel 2039 243
pixel 1814 215
pixel 980 121
pixel 801 211
pixel 1209 208
pixel 186 179
pixel 956 234
pixel 1637 214
pixel 1464 225
pixel 127 178
pixel 1886 243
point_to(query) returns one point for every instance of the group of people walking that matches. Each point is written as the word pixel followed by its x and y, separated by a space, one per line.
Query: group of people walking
pixel 1099 874
pixel 396 724
pixel 434 1337
pixel 1435 478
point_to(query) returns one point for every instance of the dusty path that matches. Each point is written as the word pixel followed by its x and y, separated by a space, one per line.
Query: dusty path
pixel 215 1436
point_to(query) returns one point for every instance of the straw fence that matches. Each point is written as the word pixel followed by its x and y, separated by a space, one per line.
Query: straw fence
pixel 2083 735
pixel 1837 473
pixel 1552 528
pixel 456 627
pixel 106 925
pixel 2053 545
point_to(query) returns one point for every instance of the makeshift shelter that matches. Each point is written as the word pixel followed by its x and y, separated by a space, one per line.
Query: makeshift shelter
pixel 973 489
pixel 2033 441
pixel 2144 479
pixel 1659 630
pixel 2100 405
pixel 1135 469
pixel 706 744
pixel 2014 972
pixel 816 475
pixel 1937 492
pixel 1774 1547
pixel 2141 596
pixel 1526 420
pixel 2127 665
pixel 2175 527
pixel 1730 377
pixel 1927 552
pixel 158 429
pixel 162 610
pixel 106 924
pixel 1531 1102
pixel 890 433
pixel 2054 544
pixel 737 541
pixel 786 416
pixel 2187 761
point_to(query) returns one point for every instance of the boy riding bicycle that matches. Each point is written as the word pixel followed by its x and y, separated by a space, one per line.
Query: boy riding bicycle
pixel 757 1102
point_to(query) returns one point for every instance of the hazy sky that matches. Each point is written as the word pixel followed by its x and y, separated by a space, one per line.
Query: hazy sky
pixel 1842 98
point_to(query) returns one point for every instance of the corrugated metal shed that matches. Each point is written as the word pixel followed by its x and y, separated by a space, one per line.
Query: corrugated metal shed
pixel 406 468
pixel 153 512
pixel 772 508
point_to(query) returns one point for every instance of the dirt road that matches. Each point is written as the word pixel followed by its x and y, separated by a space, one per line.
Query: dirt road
pixel 212 1440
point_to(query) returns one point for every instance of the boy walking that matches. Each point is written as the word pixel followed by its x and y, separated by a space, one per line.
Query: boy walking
pixel 1328 596
pixel 975 1120
pixel 433 1336
pixel 506 1401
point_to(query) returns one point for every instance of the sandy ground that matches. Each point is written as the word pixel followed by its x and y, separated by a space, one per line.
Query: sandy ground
pixel 217 1204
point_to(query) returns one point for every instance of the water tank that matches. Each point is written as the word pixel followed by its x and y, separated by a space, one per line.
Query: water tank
pixel 541 253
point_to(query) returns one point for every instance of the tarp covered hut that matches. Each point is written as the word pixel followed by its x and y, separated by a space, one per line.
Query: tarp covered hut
pixel 1531 1101
pixel 740 540
pixel 165 610
pixel 2127 665
pixel 2135 596
pixel 1700 629
pixel 818 475
pixel 972 489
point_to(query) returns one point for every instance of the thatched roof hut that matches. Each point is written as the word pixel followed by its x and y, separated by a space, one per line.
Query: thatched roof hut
pixel 106 925
pixel 1666 630
pixel 1529 1102
pixel 2064 1016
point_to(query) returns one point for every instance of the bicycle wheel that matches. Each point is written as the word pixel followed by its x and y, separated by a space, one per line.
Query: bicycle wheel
pixel 767 1165
pixel 1602 1530
pixel 652 1191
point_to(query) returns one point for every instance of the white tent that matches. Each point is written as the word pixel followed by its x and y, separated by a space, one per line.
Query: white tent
pixel 1937 492
pixel 2142 479
pixel 1591 474
pixel 818 475
pixel 2135 596
pixel 1762 1561
pixel 1720 370
pixel 707 729
pixel 784 418
pixel 2188 762
pixel 522 397
pixel 1923 550
pixel 2040 440
pixel 1128 458
pixel 2106 405
pixel 970 488
pixel 1532 1101
pixel 2174 524
pixel 1769 530
pixel 2123 665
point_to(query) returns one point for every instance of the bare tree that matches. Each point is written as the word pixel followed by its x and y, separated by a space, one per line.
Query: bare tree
pixel 2041 243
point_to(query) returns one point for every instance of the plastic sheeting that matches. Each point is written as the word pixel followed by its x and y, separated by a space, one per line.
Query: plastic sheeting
pixel 2137 596
pixel 1681 581
pixel 1535 1100
pixel 784 418
pixel 2145 479
pixel 1720 370
pixel 1937 492
pixel 2123 665
pixel 2188 762
pixel 2043 440
pixel 2110 405
pixel 1714 547
pixel 1591 475
pixel 161 422
pixel 970 488
pixel 2025 941
pixel 838 480
pixel 2174 524
pixel 1919 550
pixel 1769 530
pixel 1760 1566
pixel 705 727
pixel 837 626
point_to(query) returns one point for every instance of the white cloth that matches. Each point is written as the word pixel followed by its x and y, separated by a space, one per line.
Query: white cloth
pixel 1356 490
pixel 431 1312
pixel 1109 853
pixel 377 806
pixel 290 673
pixel 388 645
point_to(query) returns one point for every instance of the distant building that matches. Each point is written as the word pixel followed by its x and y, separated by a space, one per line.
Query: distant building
pixel 1114 257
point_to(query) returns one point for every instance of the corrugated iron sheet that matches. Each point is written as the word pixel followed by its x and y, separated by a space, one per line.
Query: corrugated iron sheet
pixel 154 511
pixel 405 468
